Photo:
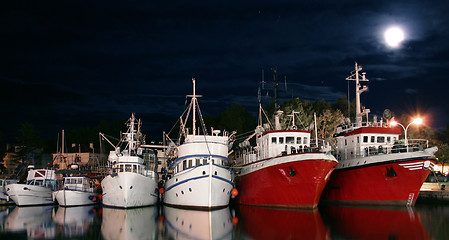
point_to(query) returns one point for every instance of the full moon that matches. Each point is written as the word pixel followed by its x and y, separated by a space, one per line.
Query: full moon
pixel 394 36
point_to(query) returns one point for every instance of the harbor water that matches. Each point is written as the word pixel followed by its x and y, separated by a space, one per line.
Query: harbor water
pixel 424 221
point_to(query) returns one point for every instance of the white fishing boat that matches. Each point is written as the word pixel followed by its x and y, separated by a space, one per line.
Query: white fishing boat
pixel 4 199
pixel 76 191
pixel 198 164
pixel 37 190
pixel 132 181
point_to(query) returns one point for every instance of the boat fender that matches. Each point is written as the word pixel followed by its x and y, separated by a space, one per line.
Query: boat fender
pixel 161 190
pixel 234 192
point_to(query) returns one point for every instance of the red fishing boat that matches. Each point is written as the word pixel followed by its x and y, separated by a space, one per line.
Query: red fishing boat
pixel 375 166
pixel 283 167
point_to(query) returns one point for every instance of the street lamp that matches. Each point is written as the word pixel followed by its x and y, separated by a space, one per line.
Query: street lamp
pixel 416 121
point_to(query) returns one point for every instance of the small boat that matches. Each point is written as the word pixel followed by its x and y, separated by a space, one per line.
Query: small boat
pixel 76 191
pixel 133 180
pixel 375 167
pixel 198 173
pixel 4 199
pixel 36 191
pixel 282 167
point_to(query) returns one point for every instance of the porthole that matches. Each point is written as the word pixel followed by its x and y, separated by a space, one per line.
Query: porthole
pixel 215 172
pixel 176 195
pixel 190 189
pixel 204 172
pixel 182 192
pixel 223 189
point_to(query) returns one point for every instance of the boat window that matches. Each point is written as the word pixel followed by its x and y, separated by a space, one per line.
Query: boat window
pixel 213 161
pixel 184 164
pixel 127 167
pixel 273 140
pixel 298 140
pixel 197 162
pixel 121 168
pixel 135 168
pixel 190 163
pixel 281 140
pixel 365 139
pixel 305 140
pixel 373 138
pixel 380 139
pixel 346 142
pixel 358 139
pixel 290 140
pixel 388 139
pixel 80 181
pixel 39 182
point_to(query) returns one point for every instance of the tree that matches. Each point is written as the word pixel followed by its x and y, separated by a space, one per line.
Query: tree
pixel 442 155
pixel 327 123
pixel 29 145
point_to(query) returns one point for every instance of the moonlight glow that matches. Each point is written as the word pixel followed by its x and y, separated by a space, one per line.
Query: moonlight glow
pixel 394 36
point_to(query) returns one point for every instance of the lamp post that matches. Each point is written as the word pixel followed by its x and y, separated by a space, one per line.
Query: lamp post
pixel 416 121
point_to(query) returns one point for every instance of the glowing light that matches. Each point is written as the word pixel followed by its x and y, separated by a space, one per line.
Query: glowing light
pixel 417 121
pixel 394 36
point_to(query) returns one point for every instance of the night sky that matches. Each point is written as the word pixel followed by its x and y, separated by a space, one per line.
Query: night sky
pixel 69 64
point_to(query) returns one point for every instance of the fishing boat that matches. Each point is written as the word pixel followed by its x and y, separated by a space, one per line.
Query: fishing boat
pixel 36 191
pixel 132 181
pixel 198 176
pixel 375 166
pixel 281 166
pixel 4 199
pixel 76 191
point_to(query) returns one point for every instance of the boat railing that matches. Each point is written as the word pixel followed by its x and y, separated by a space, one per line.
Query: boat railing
pixel 413 145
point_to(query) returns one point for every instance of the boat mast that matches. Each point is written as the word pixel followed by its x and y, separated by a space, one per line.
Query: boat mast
pixel 358 91
pixel 194 108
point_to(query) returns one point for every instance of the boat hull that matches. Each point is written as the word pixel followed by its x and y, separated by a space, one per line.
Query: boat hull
pixel 71 198
pixel 128 190
pixel 200 187
pixel 387 183
pixel 29 195
pixel 292 181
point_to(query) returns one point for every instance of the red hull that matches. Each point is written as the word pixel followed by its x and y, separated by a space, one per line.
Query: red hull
pixel 263 223
pixel 386 184
pixel 376 223
pixel 296 184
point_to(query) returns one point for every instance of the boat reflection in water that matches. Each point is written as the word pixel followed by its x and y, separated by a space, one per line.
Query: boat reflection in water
pixel 376 222
pixel 35 221
pixel 277 223
pixel 134 223
pixel 74 221
pixel 197 224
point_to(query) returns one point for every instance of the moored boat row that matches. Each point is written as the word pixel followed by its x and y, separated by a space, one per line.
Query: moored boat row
pixel 277 166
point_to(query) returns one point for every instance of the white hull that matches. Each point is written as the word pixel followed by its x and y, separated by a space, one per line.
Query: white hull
pixel 198 188
pixel 67 198
pixel 127 190
pixel 29 195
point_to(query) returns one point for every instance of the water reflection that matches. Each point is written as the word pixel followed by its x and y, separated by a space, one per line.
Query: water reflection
pixel 375 223
pixel 136 223
pixel 267 223
pixel 74 221
pixel 35 221
pixel 195 224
